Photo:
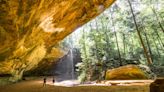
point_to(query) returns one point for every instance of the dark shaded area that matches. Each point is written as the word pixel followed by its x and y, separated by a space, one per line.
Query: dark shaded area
pixel 5 75
pixel 65 69
pixel 57 68
pixel 157 85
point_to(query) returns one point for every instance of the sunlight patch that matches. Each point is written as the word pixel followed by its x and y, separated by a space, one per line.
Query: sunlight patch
pixel 48 26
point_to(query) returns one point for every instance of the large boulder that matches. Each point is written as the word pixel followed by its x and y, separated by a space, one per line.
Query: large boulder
pixel 128 72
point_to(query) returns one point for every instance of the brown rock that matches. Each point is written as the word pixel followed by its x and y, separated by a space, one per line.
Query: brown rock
pixel 157 85
pixel 125 73
pixel 30 29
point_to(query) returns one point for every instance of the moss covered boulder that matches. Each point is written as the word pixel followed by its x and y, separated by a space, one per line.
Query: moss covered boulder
pixel 128 72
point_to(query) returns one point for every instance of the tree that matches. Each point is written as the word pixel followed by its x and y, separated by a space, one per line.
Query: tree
pixel 145 50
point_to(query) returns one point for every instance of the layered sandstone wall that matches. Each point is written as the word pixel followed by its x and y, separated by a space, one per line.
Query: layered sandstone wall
pixel 31 29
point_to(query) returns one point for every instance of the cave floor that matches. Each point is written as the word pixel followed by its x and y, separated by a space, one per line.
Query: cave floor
pixel 37 86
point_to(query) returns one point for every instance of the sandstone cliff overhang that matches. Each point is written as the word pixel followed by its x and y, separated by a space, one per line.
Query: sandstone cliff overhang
pixel 30 29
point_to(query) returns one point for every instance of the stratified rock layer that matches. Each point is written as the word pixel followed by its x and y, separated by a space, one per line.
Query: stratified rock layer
pixel 31 29
pixel 129 72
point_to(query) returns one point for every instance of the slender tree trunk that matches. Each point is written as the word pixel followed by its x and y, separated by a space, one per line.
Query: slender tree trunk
pixel 160 25
pixel 88 71
pixel 96 43
pixel 127 44
pixel 107 48
pixel 108 45
pixel 145 49
pixel 147 41
pixel 132 44
pixel 159 22
pixel 159 38
pixel 156 46
pixel 84 45
pixel 148 44
pixel 124 44
pixel 115 34
pixel 106 39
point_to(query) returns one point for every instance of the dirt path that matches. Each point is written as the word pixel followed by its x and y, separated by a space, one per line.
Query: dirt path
pixel 37 86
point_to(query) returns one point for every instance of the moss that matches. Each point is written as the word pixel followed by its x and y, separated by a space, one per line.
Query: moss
pixel 4 81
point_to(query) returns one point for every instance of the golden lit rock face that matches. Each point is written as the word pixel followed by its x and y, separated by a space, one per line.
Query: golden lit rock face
pixel 128 72
pixel 30 29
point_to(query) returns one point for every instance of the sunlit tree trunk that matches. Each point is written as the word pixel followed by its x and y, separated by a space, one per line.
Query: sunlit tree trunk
pixel 84 45
pixel 86 61
pixel 142 43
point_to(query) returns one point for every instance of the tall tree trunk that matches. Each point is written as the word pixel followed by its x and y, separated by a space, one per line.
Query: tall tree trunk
pixel 148 44
pixel 124 44
pixel 96 43
pixel 132 48
pixel 156 46
pixel 88 71
pixel 159 22
pixel 107 48
pixel 84 45
pixel 160 25
pixel 115 34
pixel 159 38
pixel 108 45
pixel 105 29
pixel 145 49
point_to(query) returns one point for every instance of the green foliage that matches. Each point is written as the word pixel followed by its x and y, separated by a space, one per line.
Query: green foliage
pixel 99 38
pixel 4 81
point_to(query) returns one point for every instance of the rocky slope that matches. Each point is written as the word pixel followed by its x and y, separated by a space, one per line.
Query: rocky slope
pixel 31 29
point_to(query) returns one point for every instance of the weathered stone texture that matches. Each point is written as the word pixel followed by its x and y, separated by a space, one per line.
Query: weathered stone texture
pixel 31 29
pixel 128 72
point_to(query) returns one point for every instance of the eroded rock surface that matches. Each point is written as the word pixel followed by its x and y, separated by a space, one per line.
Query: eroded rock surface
pixel 128 72
pixel 31 29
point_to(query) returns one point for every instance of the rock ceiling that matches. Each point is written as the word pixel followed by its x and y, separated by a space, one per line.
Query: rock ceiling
pixel 31 29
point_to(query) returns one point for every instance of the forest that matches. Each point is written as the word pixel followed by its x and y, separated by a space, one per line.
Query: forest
pixel 129 32
pixel 81 45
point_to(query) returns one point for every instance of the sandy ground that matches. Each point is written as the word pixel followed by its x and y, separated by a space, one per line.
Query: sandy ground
pixel 37 86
